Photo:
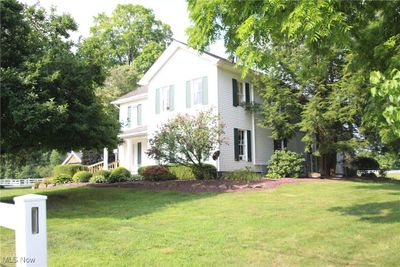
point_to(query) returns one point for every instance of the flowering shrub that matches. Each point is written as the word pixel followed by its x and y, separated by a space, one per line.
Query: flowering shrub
pixel 285 163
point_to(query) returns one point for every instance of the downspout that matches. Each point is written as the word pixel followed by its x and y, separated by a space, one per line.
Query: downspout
pixel 253 132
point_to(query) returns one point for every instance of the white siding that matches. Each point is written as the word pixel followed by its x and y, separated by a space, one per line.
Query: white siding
pixel 233 117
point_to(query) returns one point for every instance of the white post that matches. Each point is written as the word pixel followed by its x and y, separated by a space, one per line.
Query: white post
pixel 129 155
pixel 30 230
pixel 105 159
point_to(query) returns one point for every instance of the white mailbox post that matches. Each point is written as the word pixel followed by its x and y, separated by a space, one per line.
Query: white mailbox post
pixel 28 218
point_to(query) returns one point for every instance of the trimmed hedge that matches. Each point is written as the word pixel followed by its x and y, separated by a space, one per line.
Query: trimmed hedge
pixel 61 179
pixel 68 170
pixel 156 173
pixel 82 177
pixel 120 174
pixel 181 172
pixel 246 175
pixel 175 171
pixel 98 178
pixel 104 173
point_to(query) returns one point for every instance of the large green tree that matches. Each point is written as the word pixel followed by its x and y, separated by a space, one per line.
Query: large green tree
pixel 124 36
pixel 47 91
pixel 125 44
pixel 324 50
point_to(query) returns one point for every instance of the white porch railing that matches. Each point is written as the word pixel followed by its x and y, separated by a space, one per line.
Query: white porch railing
pixel 27 217
pixel 19 182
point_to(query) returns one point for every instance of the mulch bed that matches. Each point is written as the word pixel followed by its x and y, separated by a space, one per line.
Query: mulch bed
pixel 208 185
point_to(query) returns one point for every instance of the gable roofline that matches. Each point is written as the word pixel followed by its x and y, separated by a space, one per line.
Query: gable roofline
pixel 137 94
pixel 169 52
pixel 70 156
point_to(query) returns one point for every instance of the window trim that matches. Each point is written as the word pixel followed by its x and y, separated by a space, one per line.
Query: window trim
pixel 243 156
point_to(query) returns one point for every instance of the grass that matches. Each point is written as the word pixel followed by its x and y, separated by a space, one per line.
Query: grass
pixel 329 223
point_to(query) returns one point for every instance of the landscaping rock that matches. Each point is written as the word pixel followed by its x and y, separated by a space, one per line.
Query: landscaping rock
pixel 223 187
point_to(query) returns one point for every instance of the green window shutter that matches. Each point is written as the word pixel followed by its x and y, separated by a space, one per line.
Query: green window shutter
pixel 158 101
pixel 236 143
pixel 139 115
pixel 139 154
pixel 205 90
pixel 129 116
pixel 247 88
pixel 235 93
pixel 171 98
pixel 249 146
pixel 188 95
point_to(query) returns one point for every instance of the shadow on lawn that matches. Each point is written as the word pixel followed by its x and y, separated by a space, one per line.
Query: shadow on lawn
pixel 119 203
pixel 377 212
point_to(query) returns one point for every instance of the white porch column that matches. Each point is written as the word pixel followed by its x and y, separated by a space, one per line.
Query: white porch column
pixel 121 155
pixel 129 154
pixel 105 159
pixel 30 230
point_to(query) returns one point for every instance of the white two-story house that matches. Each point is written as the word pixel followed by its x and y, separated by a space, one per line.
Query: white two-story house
pixel 184 81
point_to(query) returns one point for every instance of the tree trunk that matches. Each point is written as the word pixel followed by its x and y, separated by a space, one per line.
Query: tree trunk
pixel 327 164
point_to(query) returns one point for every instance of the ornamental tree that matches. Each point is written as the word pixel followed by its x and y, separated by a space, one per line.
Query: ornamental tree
pixel 188 140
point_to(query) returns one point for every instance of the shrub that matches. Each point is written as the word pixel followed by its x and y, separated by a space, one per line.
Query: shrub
pixel 82 176
pixel 98 178
pixel 245 174
pixel 120 174
pixel 156 173
pixel 69 170
pixel 207 171
pixel 104 173
pixel 285 163
pixel 181 172
pixel 135 177
pixel 48 180
pixel 62 179
pixel 365 163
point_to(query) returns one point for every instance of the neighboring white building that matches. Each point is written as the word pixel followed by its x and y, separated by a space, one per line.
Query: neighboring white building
pixel 184 81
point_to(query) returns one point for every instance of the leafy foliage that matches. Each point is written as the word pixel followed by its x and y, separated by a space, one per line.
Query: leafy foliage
pixel 156 173
pixel 317 57
pixel 188 140
pixel 121 38
pixel 119 174
pixel 47 98
pixel 284 163
pixel 104 173
pixel 98 178
pixel 245 174
pixel 82 177
pixel 61 179
pixel 181 172
pixel 68 170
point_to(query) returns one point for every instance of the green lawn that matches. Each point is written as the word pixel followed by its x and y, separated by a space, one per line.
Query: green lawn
pixel 327 223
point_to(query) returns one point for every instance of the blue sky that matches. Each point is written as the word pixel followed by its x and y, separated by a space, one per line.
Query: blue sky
pixel 172 12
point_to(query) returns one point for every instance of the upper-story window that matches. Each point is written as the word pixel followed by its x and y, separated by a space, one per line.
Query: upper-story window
pixel 164 99
pixel 197 92
pixel 241 92
pixel 134 116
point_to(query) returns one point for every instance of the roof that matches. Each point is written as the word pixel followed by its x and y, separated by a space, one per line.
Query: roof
pixel 135 131
pixel 78 155
pixel 138 91
pixel 208 53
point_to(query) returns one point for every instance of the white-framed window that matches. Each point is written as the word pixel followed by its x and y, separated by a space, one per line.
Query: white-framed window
pixel 242 144
pixel 165 101
pixel 241 93
pixel 197 92
pixel 133 116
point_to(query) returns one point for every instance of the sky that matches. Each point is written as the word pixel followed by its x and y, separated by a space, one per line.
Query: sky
pixel 172 12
